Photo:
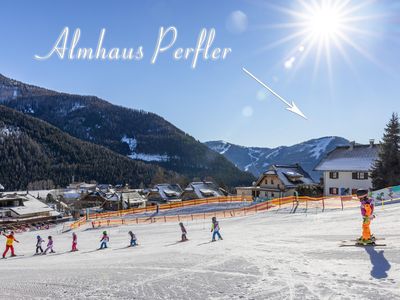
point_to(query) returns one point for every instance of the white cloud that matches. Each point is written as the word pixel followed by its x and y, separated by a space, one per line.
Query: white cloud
pixel 247 111
pixel 237 22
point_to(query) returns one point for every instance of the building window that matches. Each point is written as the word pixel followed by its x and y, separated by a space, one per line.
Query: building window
pixel 360 175
pixel 279 186
pixel 272 181
pixel 333 191
pixel 333 175
pixel 272 195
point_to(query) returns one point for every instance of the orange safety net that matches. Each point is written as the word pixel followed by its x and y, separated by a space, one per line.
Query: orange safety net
pixel 103 219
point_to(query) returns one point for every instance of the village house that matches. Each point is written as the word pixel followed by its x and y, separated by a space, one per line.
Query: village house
pixel 348 168
pixel 202 189
pixel 18 207
pixel 278 181
pixel 110 201
pixel 164 193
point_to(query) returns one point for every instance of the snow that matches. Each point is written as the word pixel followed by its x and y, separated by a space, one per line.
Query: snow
pixel 320 147
pixel 149 157
pixel 9 130
pixel 254 155
pixel 77 106
pixel 221 147
pixel 132 143
pixel 270 255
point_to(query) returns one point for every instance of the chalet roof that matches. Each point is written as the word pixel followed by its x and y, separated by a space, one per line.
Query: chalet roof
pixel 168 191
pixel 31 205
pixel 204 189
pixel 350 158
pixel 133 196
pixel 289 175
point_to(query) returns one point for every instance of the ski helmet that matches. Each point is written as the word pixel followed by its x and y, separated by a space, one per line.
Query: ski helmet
pixel 361 192
pixel 104 232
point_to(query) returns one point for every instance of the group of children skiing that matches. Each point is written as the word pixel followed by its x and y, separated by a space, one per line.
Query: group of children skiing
pixel 366 205
pixel 103 241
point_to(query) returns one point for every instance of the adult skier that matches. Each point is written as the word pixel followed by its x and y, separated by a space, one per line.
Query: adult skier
pixel 215 229
pixel 367 212
pixel 39 242
pixel 184 232
pixel 104 240
pixel 74 242
pixel 9 244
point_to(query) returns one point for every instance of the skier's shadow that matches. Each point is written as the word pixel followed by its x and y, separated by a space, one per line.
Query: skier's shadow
pixel 380 264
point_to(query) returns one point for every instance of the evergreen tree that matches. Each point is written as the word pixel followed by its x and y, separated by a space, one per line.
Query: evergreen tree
pixel 386 171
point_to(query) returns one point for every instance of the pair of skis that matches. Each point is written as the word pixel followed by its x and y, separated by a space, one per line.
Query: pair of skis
pixel 357 243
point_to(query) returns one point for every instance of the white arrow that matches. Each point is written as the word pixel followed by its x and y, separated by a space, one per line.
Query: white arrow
pixel 292 107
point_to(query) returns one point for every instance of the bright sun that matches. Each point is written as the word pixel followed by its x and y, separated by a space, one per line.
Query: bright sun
pixel 322 26
pixel 324 22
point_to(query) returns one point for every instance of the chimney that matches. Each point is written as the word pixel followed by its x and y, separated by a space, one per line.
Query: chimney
pixel 352 144
pixel 371 142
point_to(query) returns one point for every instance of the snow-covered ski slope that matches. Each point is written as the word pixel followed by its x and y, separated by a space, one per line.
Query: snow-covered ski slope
pixel 270 255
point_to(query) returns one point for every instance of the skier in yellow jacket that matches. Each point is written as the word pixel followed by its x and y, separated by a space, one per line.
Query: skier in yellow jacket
pixel 9 244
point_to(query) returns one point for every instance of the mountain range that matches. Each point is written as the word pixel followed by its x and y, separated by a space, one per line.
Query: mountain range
pixel 257 159
pixel 133 134
pixel 33 152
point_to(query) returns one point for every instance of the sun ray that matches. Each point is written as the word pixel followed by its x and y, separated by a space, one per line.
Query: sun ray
pixel 324 28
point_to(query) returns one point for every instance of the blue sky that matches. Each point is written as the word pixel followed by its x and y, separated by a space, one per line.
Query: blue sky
pixel 353 99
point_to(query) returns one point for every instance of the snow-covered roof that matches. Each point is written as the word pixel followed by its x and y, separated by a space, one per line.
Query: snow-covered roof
pixel 31 205
pixel 204 189
pixel 289 175
pixel 350 158
pixel 133 196
pixel 168 191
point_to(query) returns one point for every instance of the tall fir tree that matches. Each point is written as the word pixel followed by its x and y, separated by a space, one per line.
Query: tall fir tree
pixel 386 171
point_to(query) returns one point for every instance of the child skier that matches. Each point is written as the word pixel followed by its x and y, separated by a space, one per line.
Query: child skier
pixel 133 239
pixel 367 210
pixel 49 246
pixel 104 240
pixel 9 244
pixel 74 242
pixel 184 232
pixel 39 242
pixel 215 229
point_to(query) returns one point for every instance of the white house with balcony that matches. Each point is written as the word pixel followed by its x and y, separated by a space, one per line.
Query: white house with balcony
pixel 348 168
pixel 278 181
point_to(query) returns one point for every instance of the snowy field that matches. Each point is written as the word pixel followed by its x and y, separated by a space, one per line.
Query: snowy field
pixel 271 255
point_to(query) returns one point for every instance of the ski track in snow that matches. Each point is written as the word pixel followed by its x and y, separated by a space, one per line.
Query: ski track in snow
pixel 271 255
